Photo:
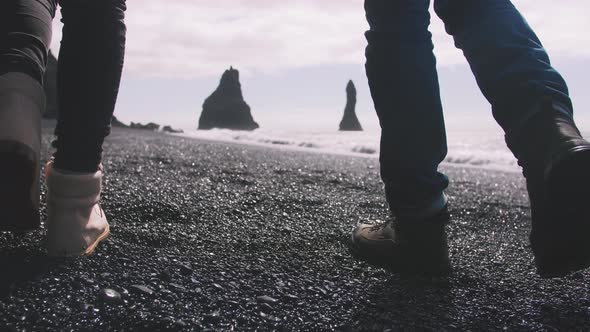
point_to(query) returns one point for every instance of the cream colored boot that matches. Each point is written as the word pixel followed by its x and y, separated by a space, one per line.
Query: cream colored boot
pixel 75 221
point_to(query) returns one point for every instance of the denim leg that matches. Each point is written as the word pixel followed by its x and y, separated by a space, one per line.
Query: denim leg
pixel 401 69
pixel 25 34
pixel 509 62
pixel 90 66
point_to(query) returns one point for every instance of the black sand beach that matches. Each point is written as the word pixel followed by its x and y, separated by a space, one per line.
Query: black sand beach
pixel 218 236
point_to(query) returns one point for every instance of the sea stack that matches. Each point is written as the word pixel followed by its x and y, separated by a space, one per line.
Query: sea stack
pixel 117 124
pixel 350 122
pixel 226 108
pixel 50 86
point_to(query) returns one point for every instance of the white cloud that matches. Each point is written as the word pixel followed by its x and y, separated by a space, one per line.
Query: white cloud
pixel 187 38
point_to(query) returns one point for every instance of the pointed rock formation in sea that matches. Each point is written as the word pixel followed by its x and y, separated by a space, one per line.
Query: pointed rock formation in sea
pixel 350 122
pixel 50 86
pixel 117 124
pixel 226 108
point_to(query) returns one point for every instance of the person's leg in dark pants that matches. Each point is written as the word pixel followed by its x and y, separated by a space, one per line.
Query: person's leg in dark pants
pixel 90 65
pixel 531 103
pixel 401 69
pixel 508 60
pixel 25 33
pixel 25 27
pixel 89 71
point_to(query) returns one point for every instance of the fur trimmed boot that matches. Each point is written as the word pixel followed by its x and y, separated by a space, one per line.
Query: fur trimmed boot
pixel 22 101
pixel 75 221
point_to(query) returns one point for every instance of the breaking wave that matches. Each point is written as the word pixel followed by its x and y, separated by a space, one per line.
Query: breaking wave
pixel 480 149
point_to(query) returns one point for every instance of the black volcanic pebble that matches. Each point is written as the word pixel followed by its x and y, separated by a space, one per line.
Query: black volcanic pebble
pixel 124 292
pixel 185 269
pixel 85 306
pixel 265 307
pixel 212 317
pixel 291 297
pixel 266 299
pixel 269 317
pixel 110 296
pixel 141 289
pixel 177 287
pixel 165 275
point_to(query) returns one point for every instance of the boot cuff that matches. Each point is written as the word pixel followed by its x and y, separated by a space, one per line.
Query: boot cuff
pixel 73 185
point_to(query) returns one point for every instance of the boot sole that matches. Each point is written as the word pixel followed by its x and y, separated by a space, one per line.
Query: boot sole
pixel 427 265
pixel 103 236
pixel 566 244
pixel 19 168
pixel 100 238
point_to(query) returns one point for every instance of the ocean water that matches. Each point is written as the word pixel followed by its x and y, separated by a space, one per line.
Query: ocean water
pixel 472 141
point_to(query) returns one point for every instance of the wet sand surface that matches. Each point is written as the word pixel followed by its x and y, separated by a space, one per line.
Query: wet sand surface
pixel 218 236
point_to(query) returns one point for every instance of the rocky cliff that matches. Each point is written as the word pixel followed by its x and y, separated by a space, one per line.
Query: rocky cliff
pixel 117 124
pixel 226 107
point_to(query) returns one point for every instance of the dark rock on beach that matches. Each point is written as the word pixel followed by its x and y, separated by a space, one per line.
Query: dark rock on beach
pixel 266 299
pixel 149 126
pixel 116 123
pixel 350 122
pixel 226 107
pixel 141 290
pixel 169 129
pixel 50 86
pixel 110 296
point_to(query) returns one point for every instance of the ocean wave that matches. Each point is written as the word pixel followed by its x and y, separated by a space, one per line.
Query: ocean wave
pixel 364 150
pixel 481 158
pixel 275 141
pixel 463 150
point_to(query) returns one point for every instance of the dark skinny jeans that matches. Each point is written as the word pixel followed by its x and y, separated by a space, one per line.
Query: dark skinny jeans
pixel 89 67
pixel 510 65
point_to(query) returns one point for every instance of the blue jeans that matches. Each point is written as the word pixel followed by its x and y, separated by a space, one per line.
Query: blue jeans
pixel 90 66
pixel 510 65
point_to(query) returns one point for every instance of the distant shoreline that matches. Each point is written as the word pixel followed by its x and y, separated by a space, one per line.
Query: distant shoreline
pixel 282 146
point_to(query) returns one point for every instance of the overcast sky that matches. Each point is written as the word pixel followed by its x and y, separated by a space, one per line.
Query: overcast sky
pixel 177 50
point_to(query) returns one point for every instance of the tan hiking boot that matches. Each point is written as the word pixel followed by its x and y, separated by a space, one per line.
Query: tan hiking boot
pixel 75 221
pixel 407 246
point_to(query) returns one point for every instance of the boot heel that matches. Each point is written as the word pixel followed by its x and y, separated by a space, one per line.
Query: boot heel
pixel 76 223
pixel 19 188
pixel 568 183
pixel 568 188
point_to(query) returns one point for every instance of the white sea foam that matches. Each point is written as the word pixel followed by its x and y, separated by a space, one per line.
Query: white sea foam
pixel 334 142
pixel 473 139
pixel 476 142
